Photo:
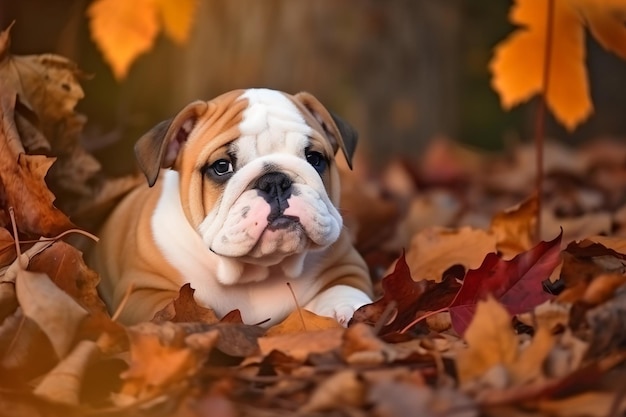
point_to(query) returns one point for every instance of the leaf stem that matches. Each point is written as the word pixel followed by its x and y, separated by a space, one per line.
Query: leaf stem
pixel 423 317
pixel 541 113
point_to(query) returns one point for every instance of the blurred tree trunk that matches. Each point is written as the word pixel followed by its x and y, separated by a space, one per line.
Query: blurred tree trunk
pixel 390 68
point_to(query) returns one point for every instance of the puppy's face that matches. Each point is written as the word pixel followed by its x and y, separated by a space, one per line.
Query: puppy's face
pixel 258 180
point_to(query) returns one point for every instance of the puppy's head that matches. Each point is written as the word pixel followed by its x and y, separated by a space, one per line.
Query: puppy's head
pixel 258 180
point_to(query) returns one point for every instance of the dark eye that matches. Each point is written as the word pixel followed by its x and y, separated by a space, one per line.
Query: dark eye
pixel 222 167
pixel 317 160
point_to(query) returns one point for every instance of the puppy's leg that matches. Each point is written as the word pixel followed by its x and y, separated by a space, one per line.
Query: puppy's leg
pixel 339 302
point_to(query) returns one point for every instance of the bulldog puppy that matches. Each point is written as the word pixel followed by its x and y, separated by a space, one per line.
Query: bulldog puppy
pixel 241 199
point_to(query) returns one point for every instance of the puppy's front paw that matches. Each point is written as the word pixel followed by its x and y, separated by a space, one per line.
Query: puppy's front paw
pixel 339 302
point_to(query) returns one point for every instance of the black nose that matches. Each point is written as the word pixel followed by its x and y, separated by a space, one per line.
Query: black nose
pixel 275 184
pixel 275 188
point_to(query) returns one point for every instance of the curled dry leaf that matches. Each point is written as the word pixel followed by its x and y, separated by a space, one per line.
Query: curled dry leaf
pixel 63 384
pixel 159 359
pixel 361 346
pixel 514 228
pixel 7 248
pixel 411 300
pixel 23 179
pixel 54 311
pixel 185 309
pixel 65 266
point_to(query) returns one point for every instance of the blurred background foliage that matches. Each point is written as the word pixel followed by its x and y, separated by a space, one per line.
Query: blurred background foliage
pixel 403 72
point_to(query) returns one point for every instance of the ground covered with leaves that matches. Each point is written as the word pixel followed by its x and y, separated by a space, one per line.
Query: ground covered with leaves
pixel 476 315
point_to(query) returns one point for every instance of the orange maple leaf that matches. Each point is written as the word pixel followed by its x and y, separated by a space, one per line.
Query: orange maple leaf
pixel 124 29
pixel 518 63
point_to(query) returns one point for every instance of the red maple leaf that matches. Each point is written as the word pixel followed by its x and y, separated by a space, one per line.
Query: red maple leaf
pixel 516 283
pixel 411 299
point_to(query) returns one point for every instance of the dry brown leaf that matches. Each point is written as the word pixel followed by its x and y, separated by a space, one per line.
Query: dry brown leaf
pixel 588 404
pixel 368 216
pixel 435 250
pixel 159 358
pixel 25 350
pixel 300 345
pixel 55 312
pixel 65 266
pixel 551 314
pixel 529 365
pixel 490 340
pixel 343 389
pixel 63 384
pixel 361 346
pixel 392 399
pixel 7 248
pixel 602 288
pixel 302 320
pixel 47 84
pixel 8 299
pixel 23 179
pixel 514 228
pixel 185 309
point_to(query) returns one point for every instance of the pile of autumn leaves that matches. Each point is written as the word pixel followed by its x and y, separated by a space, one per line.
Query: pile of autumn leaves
pixel 468 322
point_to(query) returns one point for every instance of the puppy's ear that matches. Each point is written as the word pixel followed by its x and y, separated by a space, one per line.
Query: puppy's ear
pixel 160 146
pixel 339 131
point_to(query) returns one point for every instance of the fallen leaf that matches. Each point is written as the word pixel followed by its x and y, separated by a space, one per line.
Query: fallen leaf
pixel 391 399
pixel 233 317
pixel 587 404
pixel 490 341
pixel 301 320
pixel 361 346
pixel 54 311
pixel 433 251
pixel 300 345
pixel 159 358
pixel 26 351
pixel 411 300
pixel 7 248
pixel 342 389
pixel 517 283
pixel 64 383
pixel 236 340
pixel 23 179
pixel 185 309
pixel 65 266
pixel 602 325
pixel 514 228
pixel 528 367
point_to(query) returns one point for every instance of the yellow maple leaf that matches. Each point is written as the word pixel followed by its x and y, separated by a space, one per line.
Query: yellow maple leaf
pixel 177 17
pixel 123 30
pixel 518 63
